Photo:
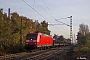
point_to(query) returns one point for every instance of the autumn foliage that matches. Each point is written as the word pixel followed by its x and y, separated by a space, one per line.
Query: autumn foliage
pixel 10 28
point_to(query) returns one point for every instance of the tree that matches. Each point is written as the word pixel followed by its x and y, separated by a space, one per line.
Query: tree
pixel 55 37
pixel 61 38
pixel 44 27
pixel 82 34
pixel 83 29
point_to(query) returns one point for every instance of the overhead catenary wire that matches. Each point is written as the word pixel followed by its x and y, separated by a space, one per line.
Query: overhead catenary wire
pixel 49 10
pixel 43 8
pixel 53 16
pixel 49 14
pixel 62 22
pixel 33 9
pixel 36 11
pixel 34 3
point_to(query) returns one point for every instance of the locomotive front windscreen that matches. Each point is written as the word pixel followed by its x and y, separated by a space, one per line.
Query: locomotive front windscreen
pixel 31 35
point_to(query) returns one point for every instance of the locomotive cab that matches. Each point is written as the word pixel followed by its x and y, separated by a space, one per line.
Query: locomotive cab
pixel 31 40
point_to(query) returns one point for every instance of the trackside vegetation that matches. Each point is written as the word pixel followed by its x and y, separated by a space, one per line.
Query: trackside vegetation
pixel 10 31
pixel 83 38
pixel 83 42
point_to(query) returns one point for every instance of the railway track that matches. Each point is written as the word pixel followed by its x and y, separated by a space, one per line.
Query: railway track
pixel 34 55
pixel 43 56
pixel 19 55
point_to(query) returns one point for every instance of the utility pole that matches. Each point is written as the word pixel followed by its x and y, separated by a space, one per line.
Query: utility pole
pixel 21 32
pixel 8 13
pixel 74 39
pixel 71 36
pixel 36 23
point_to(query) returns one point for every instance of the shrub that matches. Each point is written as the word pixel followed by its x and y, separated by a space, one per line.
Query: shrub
pixel 85 49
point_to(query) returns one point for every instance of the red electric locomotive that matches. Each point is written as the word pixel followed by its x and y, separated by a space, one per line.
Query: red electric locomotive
pixel 36 40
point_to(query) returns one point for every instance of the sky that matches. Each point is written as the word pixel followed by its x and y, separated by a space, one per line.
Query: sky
pixel 49 10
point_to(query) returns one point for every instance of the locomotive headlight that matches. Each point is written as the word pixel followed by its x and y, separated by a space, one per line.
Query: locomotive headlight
pixel 34 40
pixel 35 43
pixel 27 40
